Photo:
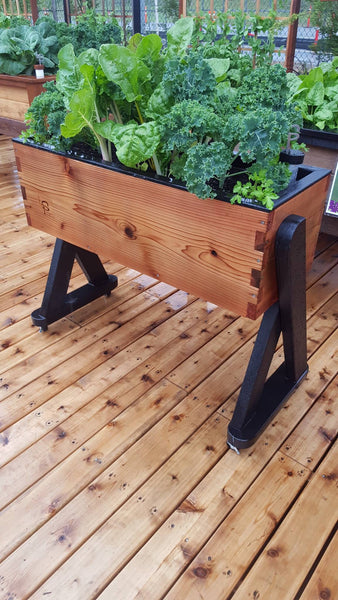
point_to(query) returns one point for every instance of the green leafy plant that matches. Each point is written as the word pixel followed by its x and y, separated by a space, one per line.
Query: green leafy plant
pixel 258 188
pixel 227 35
pixel 91 30
pixel 316 95
pixel 7 21
pixel 44 117
pixel 179 110
pixel 20 45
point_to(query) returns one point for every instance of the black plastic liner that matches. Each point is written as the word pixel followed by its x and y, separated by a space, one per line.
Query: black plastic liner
pixel 316 137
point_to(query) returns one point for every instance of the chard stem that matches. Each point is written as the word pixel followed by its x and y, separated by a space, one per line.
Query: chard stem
pixel 139 113
pixel 116 112
pixel 157 164
pixel 104 149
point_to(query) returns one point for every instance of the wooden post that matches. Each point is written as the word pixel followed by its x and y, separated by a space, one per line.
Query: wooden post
pixel 66 11
pixel 182 8
pixel 35 11
pixel 292 36
pixel 123 10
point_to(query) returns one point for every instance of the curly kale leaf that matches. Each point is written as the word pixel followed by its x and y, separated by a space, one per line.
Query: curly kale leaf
pixel 44 117
pixel 91 31
pixel 261 133
pixel 190 78
pixel 189 123
pixel 264 86
pixel 205 162
pixel 279 174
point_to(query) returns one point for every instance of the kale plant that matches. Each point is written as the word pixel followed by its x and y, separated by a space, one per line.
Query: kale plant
pixel 44 117
pixel 90 31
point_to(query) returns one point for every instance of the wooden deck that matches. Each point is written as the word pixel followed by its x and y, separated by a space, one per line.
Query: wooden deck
pixel 116 479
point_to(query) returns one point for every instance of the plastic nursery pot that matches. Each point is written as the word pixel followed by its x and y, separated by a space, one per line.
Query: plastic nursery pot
pixel 39 71
pixel 293 157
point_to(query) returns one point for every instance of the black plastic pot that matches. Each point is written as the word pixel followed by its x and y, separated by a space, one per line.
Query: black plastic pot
pixel 293 157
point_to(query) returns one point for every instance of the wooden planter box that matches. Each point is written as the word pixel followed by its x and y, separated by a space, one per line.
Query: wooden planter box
pixel 323 152
pixel 217 251
pixel 16 95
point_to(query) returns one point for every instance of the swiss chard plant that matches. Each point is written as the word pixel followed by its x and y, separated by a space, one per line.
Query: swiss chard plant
pixel 316 95
pixel 183 110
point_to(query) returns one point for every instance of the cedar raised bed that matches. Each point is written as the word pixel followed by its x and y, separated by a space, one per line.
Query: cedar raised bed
pixel 243 258
pixel 220 252
pixel 16 95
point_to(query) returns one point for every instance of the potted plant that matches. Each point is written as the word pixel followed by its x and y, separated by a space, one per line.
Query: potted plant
pixel 25 49
pixel 21 46
pixel 187 185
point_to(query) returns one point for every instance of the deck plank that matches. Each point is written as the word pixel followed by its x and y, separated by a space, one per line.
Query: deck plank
pixel 116 481
pixel 283 566
pixel 324 581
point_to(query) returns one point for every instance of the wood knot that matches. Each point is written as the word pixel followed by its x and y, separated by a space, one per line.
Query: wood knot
pixel 201 572
pixel 130 231
pixel 67 167
pixel 273 553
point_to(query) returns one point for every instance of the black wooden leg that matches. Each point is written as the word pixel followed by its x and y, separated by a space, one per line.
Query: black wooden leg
pixel 259 400
pixel 57 302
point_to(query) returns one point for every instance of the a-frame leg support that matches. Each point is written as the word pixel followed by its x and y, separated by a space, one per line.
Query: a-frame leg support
pixel 260 399
pixel 57 301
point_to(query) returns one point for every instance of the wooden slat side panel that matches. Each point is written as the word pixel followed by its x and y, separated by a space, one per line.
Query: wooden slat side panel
pixel 13 110
pixel 35 87
pixel 13 93
pixel 203 246
pixel 312 210
pixel 308 204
